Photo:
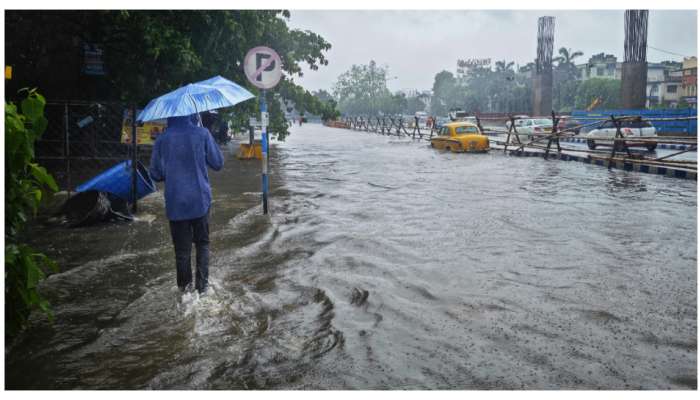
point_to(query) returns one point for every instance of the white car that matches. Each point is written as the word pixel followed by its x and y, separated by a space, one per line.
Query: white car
pixel 629 128
pixel 531 126
pixel 457 115
pixel 467 119
pixel 518 120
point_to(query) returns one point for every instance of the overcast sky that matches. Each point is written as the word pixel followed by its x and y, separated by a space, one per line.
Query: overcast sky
pixel 416 45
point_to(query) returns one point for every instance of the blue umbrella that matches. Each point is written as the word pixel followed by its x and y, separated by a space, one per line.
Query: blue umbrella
pixel 213 93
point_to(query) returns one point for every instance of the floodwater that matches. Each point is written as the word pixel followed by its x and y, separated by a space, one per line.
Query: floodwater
pixel 385 265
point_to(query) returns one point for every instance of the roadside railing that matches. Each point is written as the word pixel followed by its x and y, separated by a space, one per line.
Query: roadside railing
pixel 543 141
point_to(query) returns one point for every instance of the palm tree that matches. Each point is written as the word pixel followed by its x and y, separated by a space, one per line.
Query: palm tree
pixel 565 62
pixel 566 57
pixel 503 66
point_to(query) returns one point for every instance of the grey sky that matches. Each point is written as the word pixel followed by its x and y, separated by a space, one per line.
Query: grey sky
pixel 416 45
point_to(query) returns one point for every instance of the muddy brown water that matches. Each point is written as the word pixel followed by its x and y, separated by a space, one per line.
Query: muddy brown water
pixel 384 265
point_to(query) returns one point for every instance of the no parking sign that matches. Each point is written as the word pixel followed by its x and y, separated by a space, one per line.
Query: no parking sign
pixel 263 67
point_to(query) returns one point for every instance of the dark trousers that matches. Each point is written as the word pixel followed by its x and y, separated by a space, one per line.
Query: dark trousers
pixel 185 233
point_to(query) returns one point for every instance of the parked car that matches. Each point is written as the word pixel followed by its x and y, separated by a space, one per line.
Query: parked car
pixel 518 120
pixel 459 137
pixel 531 126
pixel 465 118
pixel 629 128
pixel 456 114
pixel 569 123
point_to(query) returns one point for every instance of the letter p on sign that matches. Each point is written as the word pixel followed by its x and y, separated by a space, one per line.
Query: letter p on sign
pixel 263 67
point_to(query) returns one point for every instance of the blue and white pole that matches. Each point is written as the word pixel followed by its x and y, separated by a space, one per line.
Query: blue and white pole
pixel 263 121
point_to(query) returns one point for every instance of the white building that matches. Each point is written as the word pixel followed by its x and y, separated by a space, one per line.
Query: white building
pixel 663 79
pixel 601 65
pixel 663 86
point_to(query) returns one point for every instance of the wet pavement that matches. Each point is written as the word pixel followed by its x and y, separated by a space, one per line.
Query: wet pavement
pixel 384 265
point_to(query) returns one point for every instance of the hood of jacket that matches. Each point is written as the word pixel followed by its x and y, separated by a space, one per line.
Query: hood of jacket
pixel 185 121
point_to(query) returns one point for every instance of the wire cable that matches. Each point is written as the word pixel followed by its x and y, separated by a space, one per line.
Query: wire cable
pixel 666 51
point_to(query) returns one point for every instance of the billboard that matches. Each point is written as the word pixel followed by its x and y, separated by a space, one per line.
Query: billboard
pixel 146 132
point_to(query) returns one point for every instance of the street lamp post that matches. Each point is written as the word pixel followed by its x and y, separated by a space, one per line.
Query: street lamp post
pixel 390 79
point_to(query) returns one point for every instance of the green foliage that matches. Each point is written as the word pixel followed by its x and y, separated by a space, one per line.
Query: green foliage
pixel 564 94
pixel 306 102
pixel 151 52
pixel 444 90
pixel 482 89
pixel 362 90
pixel 26 184
pixel 607 89
pixel 414 104
pixel 24 269
pixel 566 69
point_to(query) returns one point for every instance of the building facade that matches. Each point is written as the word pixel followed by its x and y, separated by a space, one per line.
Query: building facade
pixel 689 81
pixel 604 66
pixel 664 80
pixel 663 85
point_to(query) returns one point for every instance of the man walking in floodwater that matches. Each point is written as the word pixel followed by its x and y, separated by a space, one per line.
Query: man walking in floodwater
pixel 180 158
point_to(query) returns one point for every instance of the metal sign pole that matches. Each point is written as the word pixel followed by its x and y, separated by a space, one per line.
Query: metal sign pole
pixel 263 121
pixel 263 68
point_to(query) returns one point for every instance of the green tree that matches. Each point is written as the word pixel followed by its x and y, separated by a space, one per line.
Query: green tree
pixel 607 89
pixel 564 95
pixel 504 66
pixel 323 96
pixel 414 104
pixel 149 52
pixel 565 61
pixel 565 85
pixel 444 89
pixel 479 89
pixel 362 90
pixel 26 184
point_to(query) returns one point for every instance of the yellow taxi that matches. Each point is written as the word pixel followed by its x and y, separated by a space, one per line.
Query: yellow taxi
pixel 460 137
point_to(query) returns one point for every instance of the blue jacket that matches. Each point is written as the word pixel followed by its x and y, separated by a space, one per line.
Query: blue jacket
pixel 180 158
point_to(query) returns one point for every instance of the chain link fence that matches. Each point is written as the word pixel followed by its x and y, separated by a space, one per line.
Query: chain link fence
pixel 83 139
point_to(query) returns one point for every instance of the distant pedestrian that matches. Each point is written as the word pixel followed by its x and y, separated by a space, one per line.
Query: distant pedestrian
pixel 180 157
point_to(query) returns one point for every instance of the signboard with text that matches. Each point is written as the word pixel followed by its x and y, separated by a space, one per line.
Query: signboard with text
pixel 146 133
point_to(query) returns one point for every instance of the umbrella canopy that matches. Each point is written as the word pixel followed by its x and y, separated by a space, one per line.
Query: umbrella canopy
pixel 211 94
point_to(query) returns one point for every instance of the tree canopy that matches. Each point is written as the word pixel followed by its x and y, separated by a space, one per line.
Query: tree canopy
pixel 608 90
pixel 501 89
pixel 151 52
pixel 481 89
pixel 362 89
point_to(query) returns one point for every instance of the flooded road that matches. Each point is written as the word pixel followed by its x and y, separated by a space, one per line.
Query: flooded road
pixel 385 265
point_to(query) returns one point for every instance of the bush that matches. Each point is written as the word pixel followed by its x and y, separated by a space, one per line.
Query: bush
pixel 26 184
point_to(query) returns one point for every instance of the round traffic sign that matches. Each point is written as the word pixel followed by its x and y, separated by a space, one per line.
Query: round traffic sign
pixel 263 67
